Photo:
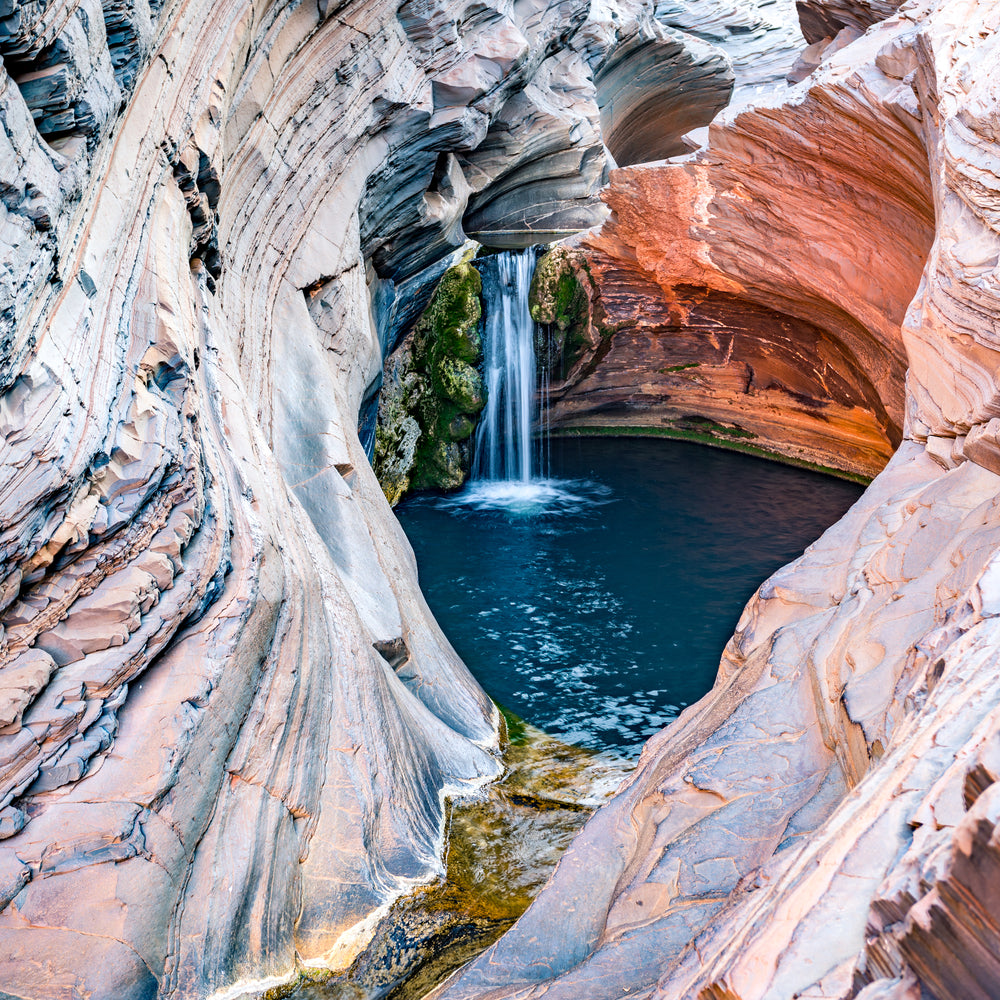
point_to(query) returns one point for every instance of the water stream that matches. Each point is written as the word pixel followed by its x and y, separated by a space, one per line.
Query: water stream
pixel 505 448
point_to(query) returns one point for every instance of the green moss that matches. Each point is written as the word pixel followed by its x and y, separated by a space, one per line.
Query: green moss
pixel 556 296
pixel 459 383
pixel 678 368
pixel 397 432
pixel 517 728
pixel 449 326
pixel 446 347
pixel 560 298
pixel 304 977
pixel 730 441
pixel 432 392
pixel 440 465
pixel 460 427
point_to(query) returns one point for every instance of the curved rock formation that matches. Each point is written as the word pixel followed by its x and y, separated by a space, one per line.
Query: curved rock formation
pixel 654 91
pixel 229 722
pixel 211 623
pixel 825 19
pixel 777 305
pixel 823 824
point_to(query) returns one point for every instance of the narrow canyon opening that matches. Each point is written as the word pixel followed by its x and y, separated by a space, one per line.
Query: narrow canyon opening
pixel 588 580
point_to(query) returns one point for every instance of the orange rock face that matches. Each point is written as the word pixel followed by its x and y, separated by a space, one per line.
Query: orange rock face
pixel 765 284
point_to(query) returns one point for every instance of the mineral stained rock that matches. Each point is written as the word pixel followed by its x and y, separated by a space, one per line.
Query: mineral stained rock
pixel 824 823
pixel 765 286
pixel 229 721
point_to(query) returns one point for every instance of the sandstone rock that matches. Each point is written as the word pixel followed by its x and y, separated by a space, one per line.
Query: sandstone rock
pixel 822 824
pixel 982 445
pixel 827 18
pixel 759 318
pixel 230 720
pixel 655 90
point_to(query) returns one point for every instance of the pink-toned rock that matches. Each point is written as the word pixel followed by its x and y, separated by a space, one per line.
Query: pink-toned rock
pixel 229 722
pixel 823 823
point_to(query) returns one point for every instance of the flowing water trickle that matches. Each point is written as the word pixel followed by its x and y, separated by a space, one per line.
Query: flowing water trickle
pixel 505 446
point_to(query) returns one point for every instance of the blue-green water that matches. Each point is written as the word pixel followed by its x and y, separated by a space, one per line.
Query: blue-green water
pixel 596 604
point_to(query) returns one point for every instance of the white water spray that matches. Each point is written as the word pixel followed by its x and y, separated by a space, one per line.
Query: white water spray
pixel 505 446
pixel 510 467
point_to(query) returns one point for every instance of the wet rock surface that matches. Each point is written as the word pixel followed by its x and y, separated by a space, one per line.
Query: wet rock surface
pixel 432 392
pixel 501 848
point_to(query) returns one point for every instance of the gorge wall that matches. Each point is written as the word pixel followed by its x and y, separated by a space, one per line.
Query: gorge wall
pixel 230 722
pixel 824 823
pixel 765 284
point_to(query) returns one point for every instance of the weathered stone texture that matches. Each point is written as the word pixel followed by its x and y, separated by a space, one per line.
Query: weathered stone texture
pixel 823 823
pixel 229 721
pixel 787 287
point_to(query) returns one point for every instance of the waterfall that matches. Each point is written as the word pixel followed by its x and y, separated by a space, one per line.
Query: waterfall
pixel 505 446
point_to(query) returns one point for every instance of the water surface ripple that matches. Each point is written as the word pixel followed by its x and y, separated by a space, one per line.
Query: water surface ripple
pixel 595 604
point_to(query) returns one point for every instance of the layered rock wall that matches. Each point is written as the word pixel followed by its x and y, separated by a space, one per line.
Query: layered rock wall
pixel 823 823
pixel 764 286
pixel 229 721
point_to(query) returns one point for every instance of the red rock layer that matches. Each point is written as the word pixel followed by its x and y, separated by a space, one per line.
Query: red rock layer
pixel 781 265
pixel 713 363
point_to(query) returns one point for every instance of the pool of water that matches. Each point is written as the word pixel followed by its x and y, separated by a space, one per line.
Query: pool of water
pixel 596 604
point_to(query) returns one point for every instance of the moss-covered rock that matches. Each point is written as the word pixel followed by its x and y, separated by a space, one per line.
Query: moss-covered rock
pixel 557 296
pixel 561 300
pixel 432 392
pixel 397 431
pixel 449 326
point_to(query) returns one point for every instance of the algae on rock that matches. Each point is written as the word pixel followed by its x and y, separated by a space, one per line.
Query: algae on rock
pixel 432 392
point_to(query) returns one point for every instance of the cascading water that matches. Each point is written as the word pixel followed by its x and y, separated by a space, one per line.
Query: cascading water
pixel 505 448
pixel 511 447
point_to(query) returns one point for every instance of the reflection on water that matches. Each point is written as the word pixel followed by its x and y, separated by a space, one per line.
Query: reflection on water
pixel 596 604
